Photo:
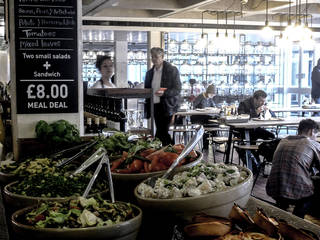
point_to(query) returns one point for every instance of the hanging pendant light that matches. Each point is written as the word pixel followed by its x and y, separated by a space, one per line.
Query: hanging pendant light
pixel 217 33
pixel 267 29
pixel 234 26
pixel 226 33
pixel 307 39
pixel 288 32
pixel 201 43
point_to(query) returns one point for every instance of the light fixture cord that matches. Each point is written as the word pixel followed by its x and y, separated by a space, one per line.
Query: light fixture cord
pixel 296 11
pixel 289 15
pixel 234 23
pixel 202 24
pixel 267 6
pixel 217 34
pixel 306 20
pixel 226 24
pixel 299 11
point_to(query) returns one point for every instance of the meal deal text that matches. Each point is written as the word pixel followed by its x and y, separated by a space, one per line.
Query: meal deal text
pixel 46 45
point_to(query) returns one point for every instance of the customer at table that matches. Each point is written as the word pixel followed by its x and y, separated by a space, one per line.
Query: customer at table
pixel 202 101
pixel 205 99
pixel 315 88
pixel 256 106
pixel 294 160
pixel 164 79
pixel 104 64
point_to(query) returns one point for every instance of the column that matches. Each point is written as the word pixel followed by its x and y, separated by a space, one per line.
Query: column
pixel 120 61
pixel 154 40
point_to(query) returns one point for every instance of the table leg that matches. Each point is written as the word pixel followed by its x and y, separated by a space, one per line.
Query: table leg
pixel 248 153
pixel 229 145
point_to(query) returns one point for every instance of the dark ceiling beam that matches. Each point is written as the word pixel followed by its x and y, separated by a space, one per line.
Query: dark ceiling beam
pixel 180 25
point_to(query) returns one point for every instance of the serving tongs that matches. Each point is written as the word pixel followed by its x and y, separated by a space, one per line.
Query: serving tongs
pixel 188 148
pixel 84 147
pixel 100 154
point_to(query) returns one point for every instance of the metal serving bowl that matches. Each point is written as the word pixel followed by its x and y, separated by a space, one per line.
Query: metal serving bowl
pixel 19 201
pixel 127 230
pixel 216 203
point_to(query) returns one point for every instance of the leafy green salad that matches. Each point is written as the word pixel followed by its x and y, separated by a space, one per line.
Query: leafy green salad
pixel 118 143
pixel 79 213
pixel 57 185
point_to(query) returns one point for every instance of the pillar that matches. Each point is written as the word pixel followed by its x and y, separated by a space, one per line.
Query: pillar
pixel 120 61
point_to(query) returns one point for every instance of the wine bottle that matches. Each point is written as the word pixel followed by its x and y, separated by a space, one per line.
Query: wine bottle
pixel 103 124
pixel 89 126
pixel 95 125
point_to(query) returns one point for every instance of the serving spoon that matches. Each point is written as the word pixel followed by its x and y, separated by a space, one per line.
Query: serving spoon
pixel 195 139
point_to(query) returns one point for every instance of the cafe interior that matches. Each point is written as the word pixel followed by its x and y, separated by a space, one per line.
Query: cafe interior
pixel 240 47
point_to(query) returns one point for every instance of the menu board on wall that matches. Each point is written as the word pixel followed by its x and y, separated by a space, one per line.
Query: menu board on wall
pixel 46 45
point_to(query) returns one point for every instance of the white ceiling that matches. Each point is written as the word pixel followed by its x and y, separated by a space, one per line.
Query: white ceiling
pixel 191 11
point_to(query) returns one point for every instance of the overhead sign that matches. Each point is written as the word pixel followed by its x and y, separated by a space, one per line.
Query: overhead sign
pixel 46 45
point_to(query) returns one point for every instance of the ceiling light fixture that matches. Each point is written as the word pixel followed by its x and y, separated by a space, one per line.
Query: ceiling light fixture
pixel 267 29
pixel 217 33
pixel 298 32
pixel 234 25
pixel 226 33
pixel 201 43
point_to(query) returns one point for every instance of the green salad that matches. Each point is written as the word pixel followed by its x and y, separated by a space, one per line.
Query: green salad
pixel 37 165
pixel 78 213
pixel 56 185
pixel 118 143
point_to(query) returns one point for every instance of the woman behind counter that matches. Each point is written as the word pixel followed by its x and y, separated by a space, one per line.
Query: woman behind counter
pixel 105 66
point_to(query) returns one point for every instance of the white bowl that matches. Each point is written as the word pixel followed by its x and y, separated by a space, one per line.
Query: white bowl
pixel 138 177
pixel 124 184
pixel 216 203
pixel 127 230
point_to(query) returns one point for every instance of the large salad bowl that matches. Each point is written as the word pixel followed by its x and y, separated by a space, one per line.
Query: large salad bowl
pixel 217 203
pixel 138 177
pixel 126 183
pixel 127 230
pixel 18 201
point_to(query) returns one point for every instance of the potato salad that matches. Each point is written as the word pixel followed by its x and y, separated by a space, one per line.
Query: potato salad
pixel 198 180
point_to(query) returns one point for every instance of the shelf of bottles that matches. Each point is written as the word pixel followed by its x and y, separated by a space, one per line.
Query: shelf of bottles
pixel 110 107
pixel 236 66
pixel 106 112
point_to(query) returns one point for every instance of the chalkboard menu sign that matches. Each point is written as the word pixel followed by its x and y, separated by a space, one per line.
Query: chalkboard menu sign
pixel 46 44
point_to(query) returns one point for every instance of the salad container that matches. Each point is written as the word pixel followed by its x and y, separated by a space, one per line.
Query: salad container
pixel 127 230
pixel 19 201
pixel 217 203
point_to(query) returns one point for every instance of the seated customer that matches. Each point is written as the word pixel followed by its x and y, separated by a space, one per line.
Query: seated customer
pixel 290 179
pixel 204 100
pixel 255 106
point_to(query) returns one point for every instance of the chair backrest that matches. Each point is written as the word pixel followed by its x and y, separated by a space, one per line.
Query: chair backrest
pixel 267 149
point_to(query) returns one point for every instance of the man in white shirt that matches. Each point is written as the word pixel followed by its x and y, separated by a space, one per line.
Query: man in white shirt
pixel 164 79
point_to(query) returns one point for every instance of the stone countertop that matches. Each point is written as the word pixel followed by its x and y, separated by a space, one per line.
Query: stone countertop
pixel 273 211
pixel 4 235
